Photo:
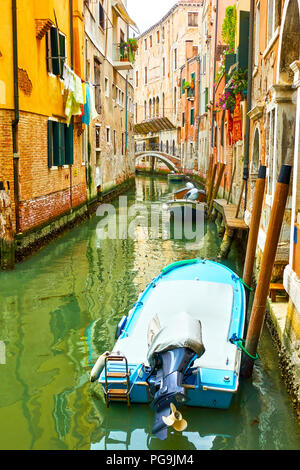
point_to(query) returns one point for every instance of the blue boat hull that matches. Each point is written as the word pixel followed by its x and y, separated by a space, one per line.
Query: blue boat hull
pixel 213 379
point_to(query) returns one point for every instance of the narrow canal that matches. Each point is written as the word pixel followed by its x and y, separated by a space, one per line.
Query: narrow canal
pixel 58 312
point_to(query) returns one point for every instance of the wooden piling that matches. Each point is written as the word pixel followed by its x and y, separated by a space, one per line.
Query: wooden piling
pixel 212 182
pixel 7 245
pixel 260 299
pixel 226 243
pixel 254 225
pixel 216 188
pixel 209 173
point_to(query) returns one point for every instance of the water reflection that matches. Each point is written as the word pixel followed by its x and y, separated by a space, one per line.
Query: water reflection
pixel 59 311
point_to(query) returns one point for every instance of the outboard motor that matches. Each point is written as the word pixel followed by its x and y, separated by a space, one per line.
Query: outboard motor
pixel 167 385
pixel 173 349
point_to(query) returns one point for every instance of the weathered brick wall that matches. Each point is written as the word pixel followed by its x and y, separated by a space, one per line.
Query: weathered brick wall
pixel 6 155
pixel 36 212
pixel 43 193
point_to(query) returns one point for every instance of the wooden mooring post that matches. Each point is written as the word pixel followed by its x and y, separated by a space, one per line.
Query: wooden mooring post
pixel 254 227
pixel 211 183
pixel 209 173
pixel 263 284
pixel 216 188
pixel 7 245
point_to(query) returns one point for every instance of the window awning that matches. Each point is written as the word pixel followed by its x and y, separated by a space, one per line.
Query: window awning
pixel 154 125
pixel 122 12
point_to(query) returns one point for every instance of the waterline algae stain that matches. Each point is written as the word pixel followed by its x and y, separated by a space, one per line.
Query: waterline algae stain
pixel 59 312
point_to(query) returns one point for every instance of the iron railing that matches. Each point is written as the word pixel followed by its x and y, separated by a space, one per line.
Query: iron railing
pixel 167 148
pixel 122 53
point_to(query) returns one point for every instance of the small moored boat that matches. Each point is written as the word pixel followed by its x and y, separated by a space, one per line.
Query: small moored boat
pixel 176 177
pixel 188 199
pixel 179 344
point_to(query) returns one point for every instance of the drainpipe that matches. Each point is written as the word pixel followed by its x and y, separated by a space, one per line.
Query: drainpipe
pixel 249 102
pixel 71 34
pixel 214 90
pixel 16 119
pixel 72 120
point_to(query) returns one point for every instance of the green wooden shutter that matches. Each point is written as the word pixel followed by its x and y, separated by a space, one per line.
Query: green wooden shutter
pixel 69 144
pixel 243 48
pixel 62 46
pixel 230 59
pixel 183 89
pixel 58 144
pixel 183 119
pixel 192 116
pixel 54 51
pixel 193 80
pixel 50 144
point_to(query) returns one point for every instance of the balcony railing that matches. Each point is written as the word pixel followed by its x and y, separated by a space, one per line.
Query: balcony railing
pixel 123 56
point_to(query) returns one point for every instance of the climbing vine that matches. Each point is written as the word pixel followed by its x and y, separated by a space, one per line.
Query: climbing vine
pixel 228 27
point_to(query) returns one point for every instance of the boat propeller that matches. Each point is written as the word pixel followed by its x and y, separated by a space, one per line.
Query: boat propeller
pixel 175 419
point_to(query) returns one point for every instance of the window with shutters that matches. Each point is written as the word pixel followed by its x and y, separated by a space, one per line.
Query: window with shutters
pixel 106 84
pixel 97 136
pixel 101 14
pixel 56 51
pixel 60 144
pixel 123 143
pixel 97 86
pixel 192 19
pixel 108 139
pixel 115 142
pixel 192 117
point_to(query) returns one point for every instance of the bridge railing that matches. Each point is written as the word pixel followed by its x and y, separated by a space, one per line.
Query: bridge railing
pixel 162 147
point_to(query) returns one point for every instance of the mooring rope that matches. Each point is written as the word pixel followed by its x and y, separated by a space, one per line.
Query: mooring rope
pixel 240 343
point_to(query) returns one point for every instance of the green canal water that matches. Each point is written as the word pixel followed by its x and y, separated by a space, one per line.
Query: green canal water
pixel 58 313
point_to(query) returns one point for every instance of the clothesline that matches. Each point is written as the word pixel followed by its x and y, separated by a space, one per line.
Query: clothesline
pixel 80 102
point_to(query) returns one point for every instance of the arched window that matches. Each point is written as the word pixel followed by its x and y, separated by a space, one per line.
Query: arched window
pixel 150 108
pixel 255 153
pixel 167 146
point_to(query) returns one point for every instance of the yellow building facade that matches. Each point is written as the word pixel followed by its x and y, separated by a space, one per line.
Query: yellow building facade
pixel 38 39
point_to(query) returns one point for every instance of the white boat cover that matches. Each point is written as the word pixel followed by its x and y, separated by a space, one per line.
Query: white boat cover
pixel 209 302
pixel 180 331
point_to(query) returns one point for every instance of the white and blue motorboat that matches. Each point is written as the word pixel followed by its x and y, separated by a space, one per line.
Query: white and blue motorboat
pixel 180 344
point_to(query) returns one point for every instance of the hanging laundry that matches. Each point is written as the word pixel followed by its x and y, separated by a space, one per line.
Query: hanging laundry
pixel 94 113
pixel 75 98
pixel 87 107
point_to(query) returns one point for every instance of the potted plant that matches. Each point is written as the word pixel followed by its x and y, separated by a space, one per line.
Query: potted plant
pixel 186 85
pixel 124 51
pixel 227 100
pixel 239 82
